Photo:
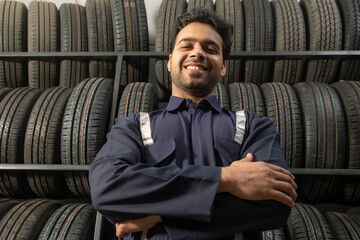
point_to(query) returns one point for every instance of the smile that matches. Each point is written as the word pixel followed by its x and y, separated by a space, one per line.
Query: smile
pixel 195 67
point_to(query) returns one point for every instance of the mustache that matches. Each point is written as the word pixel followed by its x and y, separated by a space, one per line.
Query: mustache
pixel 194 61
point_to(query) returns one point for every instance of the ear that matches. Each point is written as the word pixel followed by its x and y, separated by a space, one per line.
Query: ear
pixel 223 69
pixel 169 63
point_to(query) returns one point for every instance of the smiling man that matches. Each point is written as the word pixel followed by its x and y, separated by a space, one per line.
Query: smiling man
pixel 193 170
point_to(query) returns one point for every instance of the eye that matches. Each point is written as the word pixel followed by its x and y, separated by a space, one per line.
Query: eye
pixel 186 46
pixel 212 50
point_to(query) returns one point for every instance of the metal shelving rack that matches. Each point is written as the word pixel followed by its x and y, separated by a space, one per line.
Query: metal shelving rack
pixel 120 56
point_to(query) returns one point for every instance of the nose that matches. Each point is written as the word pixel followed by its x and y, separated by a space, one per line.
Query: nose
pixel 197 53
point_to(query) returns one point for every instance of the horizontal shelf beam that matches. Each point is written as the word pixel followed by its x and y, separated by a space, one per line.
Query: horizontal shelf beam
pixel 164 55
pixel 85 168
pixel 44 167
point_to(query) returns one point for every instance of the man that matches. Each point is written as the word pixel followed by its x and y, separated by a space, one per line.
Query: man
pixel 175 173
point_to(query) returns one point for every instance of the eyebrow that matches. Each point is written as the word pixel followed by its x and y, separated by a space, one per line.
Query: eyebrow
pixel 206 41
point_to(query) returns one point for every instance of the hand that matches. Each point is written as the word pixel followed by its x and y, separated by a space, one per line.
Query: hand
pixel 123 229
pixel 258 181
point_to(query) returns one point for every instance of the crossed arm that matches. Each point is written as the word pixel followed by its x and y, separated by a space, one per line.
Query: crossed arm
pixel 243 179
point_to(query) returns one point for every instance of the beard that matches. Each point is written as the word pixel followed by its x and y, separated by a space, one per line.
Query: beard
pixel 195 85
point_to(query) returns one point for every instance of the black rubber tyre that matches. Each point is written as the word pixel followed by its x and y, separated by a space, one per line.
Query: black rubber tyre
pixel 208 4
pixel 5 206
pixel 290 35
pixel 232 11
pixel 138 97
pixel 13 31
pixel 283 109
pixel 100 36
pixel 246 96
pixel 349 93
pixel 306 222
pixel 354 212
pixel 168 12
pixel 324 137
pixel 26 219
pixel 43 36
pixel 350 12
pixel 71 222
pixel 4 91
pixel 73 38
pixel 275 234
pixel 223 96
pixel 42 142
pixel 131 34
pixel 324 33
pixel 343 226
pixel 259 35
pixel 15 110
pixel 84 128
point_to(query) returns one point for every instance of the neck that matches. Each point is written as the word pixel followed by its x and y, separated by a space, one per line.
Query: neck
pixel 195 97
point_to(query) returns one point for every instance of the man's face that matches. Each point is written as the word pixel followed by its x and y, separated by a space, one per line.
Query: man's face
pixel 196 63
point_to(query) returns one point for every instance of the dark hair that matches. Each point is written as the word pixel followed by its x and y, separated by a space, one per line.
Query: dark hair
pixel 203 15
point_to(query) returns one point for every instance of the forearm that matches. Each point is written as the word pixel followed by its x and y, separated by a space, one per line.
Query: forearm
pixel 135 191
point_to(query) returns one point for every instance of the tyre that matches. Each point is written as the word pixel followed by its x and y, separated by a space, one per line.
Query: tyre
pixel 26 219
pixel 324 137
pixel 138 97
pixel 5 206
pixel 343 226
pixel 73 38
pixel 43 36
pixel 131 34
pixel 74 221
pixel 350 13
pixel 232 11
pixel 275 234
pixel 283 109
pixel 259 37
pixel 222 96
pixel 15 110
pixel 290 35
pixel 324 33
pixel 246 96
pixel 208 4
pixel 306 222
pixel 42 142
pixel 84 128
pixel 349 93
pixel 354 212
pixel 168 12
pixel 13 29
pixel 100 37
pixel 4 91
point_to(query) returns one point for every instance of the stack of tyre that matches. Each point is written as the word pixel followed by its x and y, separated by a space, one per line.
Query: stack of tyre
pixel 58 112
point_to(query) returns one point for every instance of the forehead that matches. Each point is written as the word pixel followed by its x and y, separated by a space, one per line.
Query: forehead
pixel 200 32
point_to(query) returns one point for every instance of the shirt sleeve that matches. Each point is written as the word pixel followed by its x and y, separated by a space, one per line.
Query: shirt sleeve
pixel 123 187
pixel 230 214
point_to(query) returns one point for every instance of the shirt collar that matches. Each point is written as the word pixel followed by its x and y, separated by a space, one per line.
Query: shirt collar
pixel 176 102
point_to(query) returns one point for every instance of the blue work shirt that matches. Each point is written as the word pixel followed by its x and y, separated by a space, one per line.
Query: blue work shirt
pixel 175 171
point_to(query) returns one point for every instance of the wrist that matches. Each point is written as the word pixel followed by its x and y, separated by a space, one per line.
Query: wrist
pixel 224 180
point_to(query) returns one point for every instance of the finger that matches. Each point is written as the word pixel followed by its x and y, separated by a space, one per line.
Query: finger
pixel 281 169
pixel 285 178
pixel 286 188
pixel 248 158
pixel 282 197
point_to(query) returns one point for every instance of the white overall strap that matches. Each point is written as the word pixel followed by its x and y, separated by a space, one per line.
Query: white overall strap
pixel 145 129
pixel 240 126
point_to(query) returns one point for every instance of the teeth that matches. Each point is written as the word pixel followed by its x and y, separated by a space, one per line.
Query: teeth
pixel 195 68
